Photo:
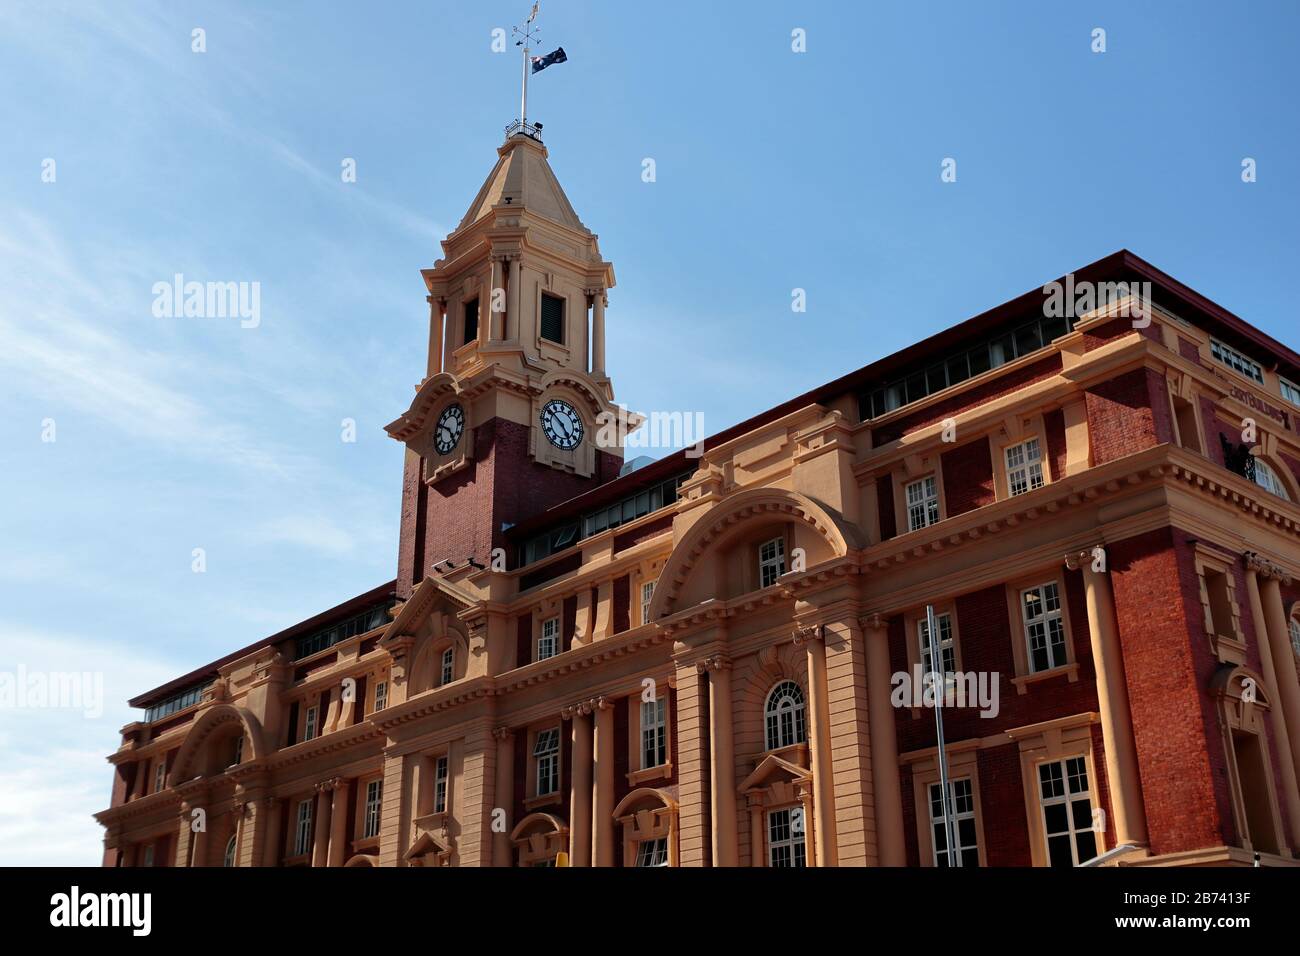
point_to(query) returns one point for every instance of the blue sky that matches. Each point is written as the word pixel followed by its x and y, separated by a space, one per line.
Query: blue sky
pixel 775 171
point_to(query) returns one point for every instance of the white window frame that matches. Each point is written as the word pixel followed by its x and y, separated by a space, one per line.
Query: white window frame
pixel 1267 478
pixel 947 643
pixel 440 773
pixel 309 722
pixel 1293 628
pixel 448 665
pixel 781 835
pixel 1024 466
pixel 548 642
pixel 1290 391
pixel 771 561
pixel 652 852
pixel 228 857
pixel 374 806
pixel 647 594
pixel 160 775
pixel 302 830
pixel 148 855
pixel 1227 355
pixel 546 762
pixel 654 733
pixel 381 695
pixel 961 792
pixel 1069 767
pixel 1045 619
pixel 785 721
pixel 922 502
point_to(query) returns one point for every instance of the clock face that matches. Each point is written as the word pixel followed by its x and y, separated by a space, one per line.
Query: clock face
pixel 451 425
pixel 561 424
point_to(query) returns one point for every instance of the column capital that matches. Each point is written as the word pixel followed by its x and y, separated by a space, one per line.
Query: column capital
pixel 714 662
pixel 584 708
pixel 1083 559
pixel 873 622
pixel 502 733
pixel 805 634
pixel 333 783
pixel 1266 568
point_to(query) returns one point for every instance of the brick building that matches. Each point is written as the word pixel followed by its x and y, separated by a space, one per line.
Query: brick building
pixel 703 661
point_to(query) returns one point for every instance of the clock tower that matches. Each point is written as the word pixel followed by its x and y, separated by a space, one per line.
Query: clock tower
pixel 508 419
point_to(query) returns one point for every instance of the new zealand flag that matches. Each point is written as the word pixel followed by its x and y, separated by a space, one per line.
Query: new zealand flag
pixel 542 62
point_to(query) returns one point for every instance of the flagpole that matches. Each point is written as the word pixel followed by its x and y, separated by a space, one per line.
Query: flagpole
pixel 940 684
pixel 523 99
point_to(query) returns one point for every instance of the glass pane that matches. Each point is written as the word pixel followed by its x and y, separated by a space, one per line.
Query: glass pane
pixel 979 360
pixel 957 369
pixel 936 378
pixel 1027 339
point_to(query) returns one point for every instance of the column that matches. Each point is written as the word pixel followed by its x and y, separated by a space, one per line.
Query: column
pixel 392 835
pixel 602 812
pixel 722 761
pixel 692 768
pixel 516 296
pixel 199 856
pixel 270 809
pixel 1279 639
pixel 1278 721
pixel 598 334
pixel 886 788
pixel 437 310
pixel 580 786
pixel 321 836
pixel 503 797
pixel 339 823
pixel 819 731
pixel 496 319
pixel 1112 699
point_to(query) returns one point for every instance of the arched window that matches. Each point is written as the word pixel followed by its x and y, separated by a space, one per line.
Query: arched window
pixel 1267 479
pixel 229 858
pixel 784 713
pixel 1293 626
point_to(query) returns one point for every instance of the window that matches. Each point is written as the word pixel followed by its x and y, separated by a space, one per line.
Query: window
pixel 381 695
pixel 785 716
pixel 440 785
pixel 1044 627
pixel 947 648
pixel 302 834
pixel 318 641
pixel 647 593
pixel 548 645
pixel 1189 436
pixel 228 858
pixel 963 815
pixel 1267 479
pixel 1067 811
pixel 1294 627
pixel 785 846
pixel 1290 392
pixel 1236 361
pixel 471 322
pixel 552 318
pixel 309 728
pixel 654 733
pixel 1024 467
pixel 177 702
pixel 374 800
pixel 922 503
pixel 148 856
pixel 448 664
pixel 546 751
pixel 239 751
pixel 1222 621
pixel 652 852
pixel 771 561
pixel 159 775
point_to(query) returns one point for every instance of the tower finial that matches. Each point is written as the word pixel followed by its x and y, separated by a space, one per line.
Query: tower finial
pixel 532 64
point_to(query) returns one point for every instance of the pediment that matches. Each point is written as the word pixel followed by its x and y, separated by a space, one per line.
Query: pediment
pixel 772 769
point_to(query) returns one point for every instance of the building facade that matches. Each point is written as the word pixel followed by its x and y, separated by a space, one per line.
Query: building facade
pixel 717 658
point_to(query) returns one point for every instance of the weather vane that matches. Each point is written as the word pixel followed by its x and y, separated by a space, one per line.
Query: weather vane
pixel 527 35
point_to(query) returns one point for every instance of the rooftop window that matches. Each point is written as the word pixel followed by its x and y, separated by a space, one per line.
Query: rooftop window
pixel 367 620
pixel 176 703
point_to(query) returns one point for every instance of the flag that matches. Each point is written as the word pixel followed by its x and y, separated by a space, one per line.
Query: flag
pixel 533 16
pixel 542 62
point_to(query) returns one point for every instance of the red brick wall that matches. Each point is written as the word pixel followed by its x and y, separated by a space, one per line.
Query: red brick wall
pixel 967 477
pixel 648 530
pixel 885 504
pixel 1168 668
pixel 1127 414
pixel 1002 802
pixel 622 601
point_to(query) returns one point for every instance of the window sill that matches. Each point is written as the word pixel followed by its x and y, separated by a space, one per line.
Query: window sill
pixel 1230 650
pixel 547 800
pixel 1023 681
pixel 662 772
pixel 365 843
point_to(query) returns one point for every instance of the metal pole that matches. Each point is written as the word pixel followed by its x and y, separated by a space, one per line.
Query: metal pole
pixel 940 684
pixel 523 99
